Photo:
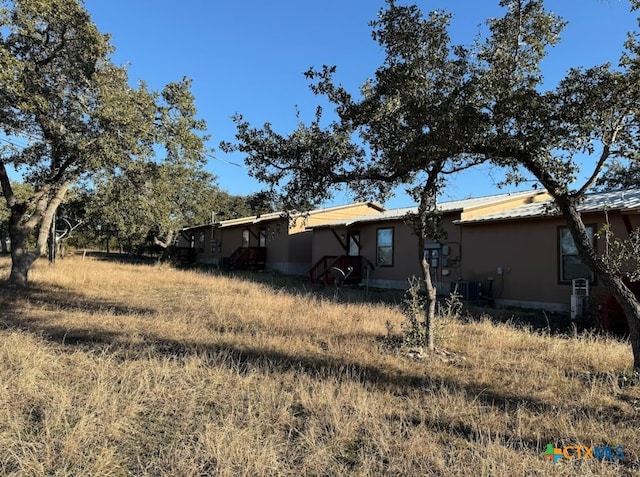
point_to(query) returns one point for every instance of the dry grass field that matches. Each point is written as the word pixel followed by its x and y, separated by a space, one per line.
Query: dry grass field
pixel 122 369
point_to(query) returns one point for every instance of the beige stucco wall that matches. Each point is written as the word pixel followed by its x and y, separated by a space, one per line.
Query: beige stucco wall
pixel 517 259
pixel 527 252
pixel 406 255
pixel 324 242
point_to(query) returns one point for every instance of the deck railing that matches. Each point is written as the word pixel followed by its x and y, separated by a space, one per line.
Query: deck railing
pixel 321 271
pixel 246 258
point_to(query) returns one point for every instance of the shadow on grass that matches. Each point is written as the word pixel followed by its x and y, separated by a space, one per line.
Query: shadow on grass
pixel 130 258
pixel 50 299
pixel 558 324
pixel 321 366
pixel 245 360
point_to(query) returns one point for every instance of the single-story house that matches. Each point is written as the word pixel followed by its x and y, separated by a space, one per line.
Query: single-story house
pixel 513 249
pixel 527 255
pixel 273 241
pixel 383 250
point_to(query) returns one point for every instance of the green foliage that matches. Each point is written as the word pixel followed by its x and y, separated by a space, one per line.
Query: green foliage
pixel 414 306
pixel 453 305
pixel 434 108
pixel 622 256
pixel 22 192
pixel 61 93
pixel 160 198
pixel 150 196
pixel 413 309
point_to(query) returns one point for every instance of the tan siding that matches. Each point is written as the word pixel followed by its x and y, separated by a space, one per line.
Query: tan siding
pixel 528 253
pixel 277 242
pixel 299 257
pixel 343 213
pixel 324 242
pixel 505 204
pixel 525 251
pixel 231 240
pixel 334 214
pixel 406 256
pixel 283 252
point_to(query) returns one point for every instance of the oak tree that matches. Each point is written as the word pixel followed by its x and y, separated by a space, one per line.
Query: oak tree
pixel 61 94
pixel 404 128
pixel 586 126
pixel 434 108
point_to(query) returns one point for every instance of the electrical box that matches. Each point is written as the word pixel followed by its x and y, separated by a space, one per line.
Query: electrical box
pixel 579 297
pixel 432 255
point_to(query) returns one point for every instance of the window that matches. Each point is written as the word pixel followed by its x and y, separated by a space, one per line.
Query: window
pixel 384 247
pixel 262 238
pixel 571 265
pixel 201 242
pixel 354 244
pixel 245 238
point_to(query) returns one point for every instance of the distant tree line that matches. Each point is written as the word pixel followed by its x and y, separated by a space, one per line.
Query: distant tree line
pixel 118 216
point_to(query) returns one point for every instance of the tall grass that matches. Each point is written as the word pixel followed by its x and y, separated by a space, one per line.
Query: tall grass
pixel 121 369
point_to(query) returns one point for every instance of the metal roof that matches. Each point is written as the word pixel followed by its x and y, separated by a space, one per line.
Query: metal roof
pixel 623 200
pixel 444 207
pixel 255 219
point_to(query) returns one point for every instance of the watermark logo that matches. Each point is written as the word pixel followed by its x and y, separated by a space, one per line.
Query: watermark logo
pixel 583 452
pixel 552 453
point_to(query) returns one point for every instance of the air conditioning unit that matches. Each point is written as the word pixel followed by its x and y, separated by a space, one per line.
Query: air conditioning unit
pixel 469 290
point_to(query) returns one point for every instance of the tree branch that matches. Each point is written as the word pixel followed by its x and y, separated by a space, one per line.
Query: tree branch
pixel 606 153
pixel 57 49
pixel 47 216
pixel 5 184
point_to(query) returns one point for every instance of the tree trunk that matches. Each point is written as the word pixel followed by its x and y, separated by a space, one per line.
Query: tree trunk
pixel 430 312
pixel 21 260
pixel 631 307
pixel 20 230
pixel 164 244
pixel 625 297
pixel 427 226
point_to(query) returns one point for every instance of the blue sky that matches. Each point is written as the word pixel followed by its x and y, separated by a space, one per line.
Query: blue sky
pixel 248 57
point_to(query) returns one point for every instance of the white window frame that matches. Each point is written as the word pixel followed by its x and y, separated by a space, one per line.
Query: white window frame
pixel 567 251
pixel 381 261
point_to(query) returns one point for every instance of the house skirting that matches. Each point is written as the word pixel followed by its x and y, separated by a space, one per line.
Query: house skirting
pixel 209 261
pixel 289 268
pixel 535 305
pixel 442 288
